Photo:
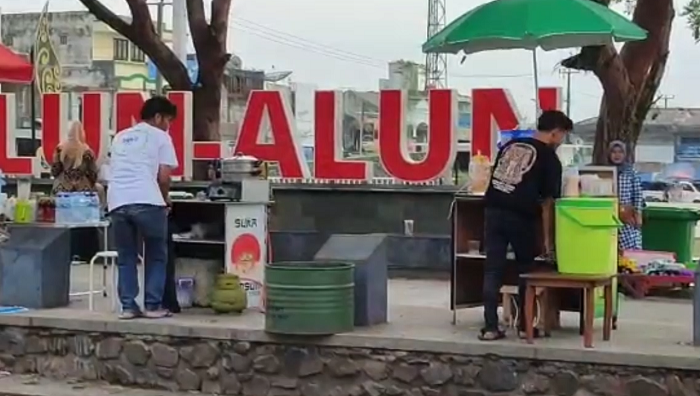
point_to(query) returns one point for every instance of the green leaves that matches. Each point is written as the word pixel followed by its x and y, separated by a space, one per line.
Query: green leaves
pixel 692 13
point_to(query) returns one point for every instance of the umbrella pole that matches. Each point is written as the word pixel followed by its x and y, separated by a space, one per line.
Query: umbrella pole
pixel 537 84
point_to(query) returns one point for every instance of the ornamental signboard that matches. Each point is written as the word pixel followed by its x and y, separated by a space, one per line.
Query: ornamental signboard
pixel 492 111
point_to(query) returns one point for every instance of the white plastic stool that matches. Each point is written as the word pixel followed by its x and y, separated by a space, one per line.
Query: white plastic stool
pixel 111 256
pixel 106 255
pixel 115 278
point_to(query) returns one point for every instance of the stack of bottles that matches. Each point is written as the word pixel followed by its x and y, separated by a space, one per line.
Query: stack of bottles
pixel 77 208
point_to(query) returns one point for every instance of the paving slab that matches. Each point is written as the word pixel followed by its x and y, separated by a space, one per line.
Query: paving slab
pixel 652 333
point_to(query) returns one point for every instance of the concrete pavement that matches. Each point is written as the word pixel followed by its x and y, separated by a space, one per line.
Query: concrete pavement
pixel 653 333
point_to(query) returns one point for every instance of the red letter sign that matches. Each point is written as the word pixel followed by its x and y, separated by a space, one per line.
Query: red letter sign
pixel 10 164
pixel 266 110
pixel 54 123
pixel 181 133
pixel 96 122
pixel 328 145
pixel 493 111
pixel 550 98
pixel 127 109
pixel 441 136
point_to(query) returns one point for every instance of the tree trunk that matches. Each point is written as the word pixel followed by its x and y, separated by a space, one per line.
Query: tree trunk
pixel 629 79
pixel 210 45
pixel 207 106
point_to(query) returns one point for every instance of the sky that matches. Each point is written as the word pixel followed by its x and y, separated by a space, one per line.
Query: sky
pixel 347 45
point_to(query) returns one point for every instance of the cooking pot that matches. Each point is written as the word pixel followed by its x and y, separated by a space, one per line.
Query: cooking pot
pixel 239 166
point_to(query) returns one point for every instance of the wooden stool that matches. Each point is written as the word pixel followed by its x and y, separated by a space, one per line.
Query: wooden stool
pixel 587 283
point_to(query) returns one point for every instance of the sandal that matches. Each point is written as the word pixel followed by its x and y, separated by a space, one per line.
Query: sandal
pixel 491 335
pixel 523 335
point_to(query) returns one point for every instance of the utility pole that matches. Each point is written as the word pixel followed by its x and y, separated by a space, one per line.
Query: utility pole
pixel 179 33
pixel 159 21
pixel 180 30
pixel 567 73
pixel 666 98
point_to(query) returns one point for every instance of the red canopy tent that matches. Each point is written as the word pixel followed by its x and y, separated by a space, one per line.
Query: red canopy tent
pixel 14 68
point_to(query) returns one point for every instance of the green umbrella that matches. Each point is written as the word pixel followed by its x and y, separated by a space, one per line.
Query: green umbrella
pixel 528 24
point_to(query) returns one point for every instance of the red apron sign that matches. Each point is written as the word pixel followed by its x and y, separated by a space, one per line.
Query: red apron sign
pixel 492 110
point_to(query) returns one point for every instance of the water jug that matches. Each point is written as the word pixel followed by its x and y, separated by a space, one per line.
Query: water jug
pixel 185 292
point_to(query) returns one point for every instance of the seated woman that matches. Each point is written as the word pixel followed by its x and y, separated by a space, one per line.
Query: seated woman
pixel 74 167
pixel 74 170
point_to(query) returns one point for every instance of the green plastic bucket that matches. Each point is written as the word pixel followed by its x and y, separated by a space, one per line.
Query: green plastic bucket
pixel 586 235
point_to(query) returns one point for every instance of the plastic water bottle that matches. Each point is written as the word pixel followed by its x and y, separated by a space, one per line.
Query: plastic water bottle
pixel 70 208
pixel 84 208
pixel 61 208
pixel 78 207
pixel 94 205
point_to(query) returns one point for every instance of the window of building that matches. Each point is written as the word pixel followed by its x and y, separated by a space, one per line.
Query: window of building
pixel 121 49
pixel 137 55
pixel 63 39
pixel 8 41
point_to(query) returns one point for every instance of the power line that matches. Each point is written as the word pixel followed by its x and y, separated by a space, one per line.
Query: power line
pixel 241 21
pixel 307 48
pixel 303 44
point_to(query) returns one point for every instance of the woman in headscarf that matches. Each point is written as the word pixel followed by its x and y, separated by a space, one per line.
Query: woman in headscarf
pixel 630 198
pixel 74 167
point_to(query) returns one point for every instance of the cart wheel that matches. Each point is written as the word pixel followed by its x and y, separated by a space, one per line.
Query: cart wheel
pixel 515 313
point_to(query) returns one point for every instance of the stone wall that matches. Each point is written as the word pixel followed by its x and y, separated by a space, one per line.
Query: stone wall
pixel 253 369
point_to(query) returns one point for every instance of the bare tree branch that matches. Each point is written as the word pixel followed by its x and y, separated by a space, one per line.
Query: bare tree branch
pixel 631 77
pixel 141 15
pixel 141 31
pixel 104 14
pixel 656 17
pixel 210 45
pixel 220 10
pixel 198 27
pixel 209 39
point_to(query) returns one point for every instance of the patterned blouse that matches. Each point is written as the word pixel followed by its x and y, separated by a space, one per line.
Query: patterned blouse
pixel 630 194
pixel 74 179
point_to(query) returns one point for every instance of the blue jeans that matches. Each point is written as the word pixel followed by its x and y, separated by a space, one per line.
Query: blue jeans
pixel 503 228
pixel 151 224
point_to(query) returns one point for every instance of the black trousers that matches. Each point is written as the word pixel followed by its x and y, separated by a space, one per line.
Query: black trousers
pixel 170 294
pixel 504 228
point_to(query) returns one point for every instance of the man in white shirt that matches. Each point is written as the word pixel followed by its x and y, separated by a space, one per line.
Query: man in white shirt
pixel 142 159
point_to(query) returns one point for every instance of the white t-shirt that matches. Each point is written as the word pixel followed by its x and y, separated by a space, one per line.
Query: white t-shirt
pixel 136 154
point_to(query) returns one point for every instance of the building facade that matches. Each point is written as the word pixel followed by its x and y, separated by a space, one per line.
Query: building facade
pixel 668 135
pixel 93 57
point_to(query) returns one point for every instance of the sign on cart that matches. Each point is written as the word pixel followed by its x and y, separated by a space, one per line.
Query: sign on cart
pixel 246 249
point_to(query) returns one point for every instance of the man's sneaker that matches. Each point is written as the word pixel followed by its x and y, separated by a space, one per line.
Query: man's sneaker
pixel 158 314
pixel 128 315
